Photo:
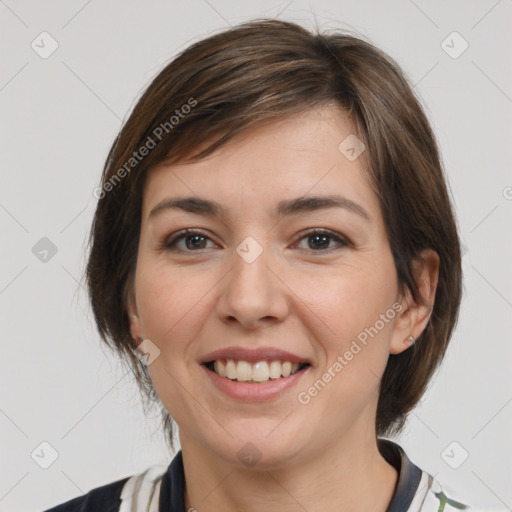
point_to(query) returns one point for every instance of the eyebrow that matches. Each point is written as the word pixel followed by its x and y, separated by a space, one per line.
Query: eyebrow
pixel 285 208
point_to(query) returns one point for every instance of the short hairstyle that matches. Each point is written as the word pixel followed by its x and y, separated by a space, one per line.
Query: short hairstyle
pixel 253 74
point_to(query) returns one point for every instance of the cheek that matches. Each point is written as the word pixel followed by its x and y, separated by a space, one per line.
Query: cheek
pixel 348 301
pixel 355 306
pixel 354 336
pixel 165 303
pixel 170 303
pixel 174 304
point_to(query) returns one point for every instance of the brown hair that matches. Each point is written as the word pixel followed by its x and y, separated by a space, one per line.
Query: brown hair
pixel 252 74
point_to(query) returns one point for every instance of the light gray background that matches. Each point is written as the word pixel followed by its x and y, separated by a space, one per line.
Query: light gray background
pixel 58 118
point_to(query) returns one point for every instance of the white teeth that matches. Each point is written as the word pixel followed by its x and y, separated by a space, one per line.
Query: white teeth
pixel 261 371
pixel 220 367
pixel 243 371
pixel 275 370
pixel 230 369
pixel 286 369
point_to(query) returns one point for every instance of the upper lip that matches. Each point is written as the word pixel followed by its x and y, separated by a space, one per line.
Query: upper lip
pixel 253 355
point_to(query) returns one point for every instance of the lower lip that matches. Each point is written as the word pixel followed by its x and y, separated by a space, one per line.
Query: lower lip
pixel 254 392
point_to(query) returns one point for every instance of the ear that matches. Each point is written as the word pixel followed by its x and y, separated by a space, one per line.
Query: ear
pixel 133 315
pixel 414 316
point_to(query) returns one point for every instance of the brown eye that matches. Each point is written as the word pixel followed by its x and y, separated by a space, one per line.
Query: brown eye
pixel 320 240
pixel 194 240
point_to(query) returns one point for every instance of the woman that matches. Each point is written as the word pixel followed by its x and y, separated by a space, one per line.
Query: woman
pixel 275 256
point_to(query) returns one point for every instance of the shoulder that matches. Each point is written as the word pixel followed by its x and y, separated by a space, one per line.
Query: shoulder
pixel 431 496
pixel 416 489
pixel 105 498
pixel 116 496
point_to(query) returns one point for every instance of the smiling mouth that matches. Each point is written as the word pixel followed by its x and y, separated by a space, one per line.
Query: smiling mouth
pixel 262 371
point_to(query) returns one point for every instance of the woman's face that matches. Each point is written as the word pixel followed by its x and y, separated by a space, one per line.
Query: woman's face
pixel 270 278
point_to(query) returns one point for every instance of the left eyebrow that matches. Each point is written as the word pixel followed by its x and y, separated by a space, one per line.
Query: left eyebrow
pixel 285 208
pixel 312 203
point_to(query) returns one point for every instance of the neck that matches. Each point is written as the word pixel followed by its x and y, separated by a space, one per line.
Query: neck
pixel 339 479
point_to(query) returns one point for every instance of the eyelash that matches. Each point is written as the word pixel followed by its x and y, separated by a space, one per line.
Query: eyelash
pixel 169 244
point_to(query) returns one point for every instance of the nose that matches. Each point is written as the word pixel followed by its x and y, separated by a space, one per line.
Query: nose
pixel 253 294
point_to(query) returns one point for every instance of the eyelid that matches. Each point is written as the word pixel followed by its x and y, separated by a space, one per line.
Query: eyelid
pixel 171 240
pixel 342 241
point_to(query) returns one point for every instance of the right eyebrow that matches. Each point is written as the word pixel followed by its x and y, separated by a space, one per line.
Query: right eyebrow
pixel 188 204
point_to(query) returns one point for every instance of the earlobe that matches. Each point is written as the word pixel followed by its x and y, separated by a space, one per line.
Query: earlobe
pixel 415 314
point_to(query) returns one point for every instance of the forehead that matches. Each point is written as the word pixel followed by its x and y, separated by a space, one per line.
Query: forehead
pixel 302 155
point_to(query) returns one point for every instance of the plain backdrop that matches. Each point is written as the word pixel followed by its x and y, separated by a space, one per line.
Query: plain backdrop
pixel 59 116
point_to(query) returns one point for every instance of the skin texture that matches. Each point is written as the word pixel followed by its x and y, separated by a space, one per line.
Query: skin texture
pixel 311 298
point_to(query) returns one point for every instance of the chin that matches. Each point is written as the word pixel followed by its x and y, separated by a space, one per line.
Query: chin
pixel 263 446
